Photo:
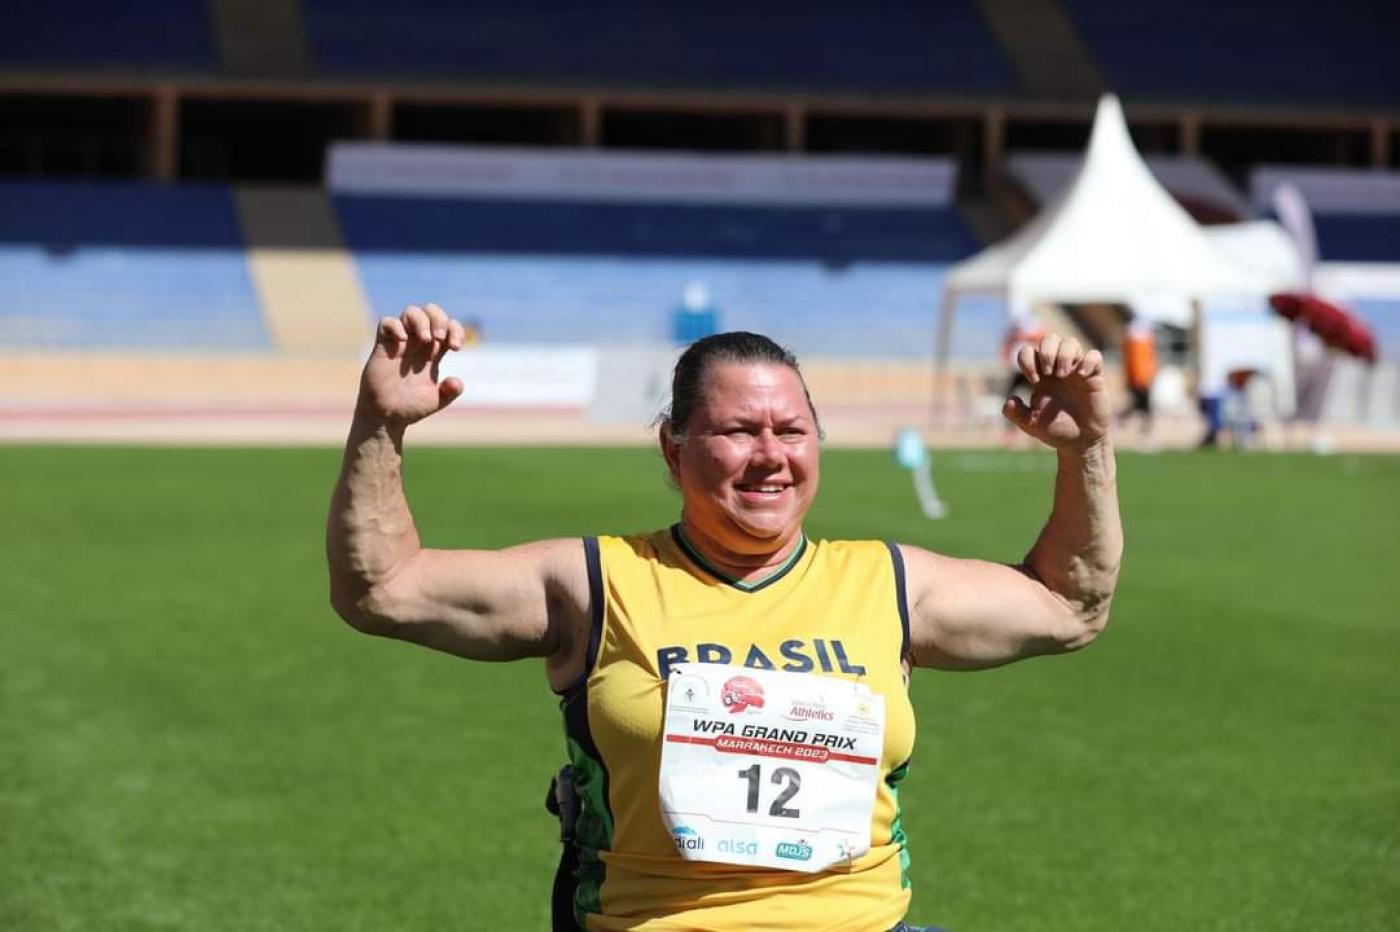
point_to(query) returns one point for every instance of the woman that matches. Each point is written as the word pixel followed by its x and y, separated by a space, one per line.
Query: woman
pixel 734 693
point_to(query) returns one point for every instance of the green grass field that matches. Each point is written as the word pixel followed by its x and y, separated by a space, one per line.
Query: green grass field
pixel 189 739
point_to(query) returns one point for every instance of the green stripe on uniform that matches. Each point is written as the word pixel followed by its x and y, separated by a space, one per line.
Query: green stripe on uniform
pixel 897 835
pixel 593 830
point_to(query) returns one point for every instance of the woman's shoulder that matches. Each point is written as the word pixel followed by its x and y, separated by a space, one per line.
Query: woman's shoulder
pixel 641 545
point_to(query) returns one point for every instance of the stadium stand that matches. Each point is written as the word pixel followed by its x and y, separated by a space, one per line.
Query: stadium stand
pixel 1359 237
pixel 611 273
pixel 1246 52
pixel 157 35
pixel 305 279
pixel 881 45
pixel 840 256
pixel 1356 213
pixel 123 267
pixel 834 235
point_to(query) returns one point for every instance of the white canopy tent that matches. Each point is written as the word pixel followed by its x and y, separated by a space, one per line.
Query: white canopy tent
pixel 1113 235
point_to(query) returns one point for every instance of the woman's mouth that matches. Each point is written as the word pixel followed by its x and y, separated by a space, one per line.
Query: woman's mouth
pixel 761 491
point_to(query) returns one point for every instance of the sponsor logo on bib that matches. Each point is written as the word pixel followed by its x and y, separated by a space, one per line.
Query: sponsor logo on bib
pixel 809 711
pixel 740 692
pixel 738 846
pixel 687 839
pixel 794 850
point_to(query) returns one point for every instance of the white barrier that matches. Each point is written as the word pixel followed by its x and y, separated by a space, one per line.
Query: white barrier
pixel 524 376
pixel 417 170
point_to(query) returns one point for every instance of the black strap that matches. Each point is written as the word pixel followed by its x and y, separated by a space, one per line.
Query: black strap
pixel 562 898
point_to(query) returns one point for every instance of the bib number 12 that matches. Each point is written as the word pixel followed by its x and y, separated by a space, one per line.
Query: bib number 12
pixel 787 775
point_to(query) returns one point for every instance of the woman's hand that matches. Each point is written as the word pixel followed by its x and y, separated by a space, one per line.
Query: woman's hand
pixel 1069 407
pixel 400 382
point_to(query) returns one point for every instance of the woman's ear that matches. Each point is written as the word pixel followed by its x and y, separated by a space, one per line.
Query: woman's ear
pixel 670 450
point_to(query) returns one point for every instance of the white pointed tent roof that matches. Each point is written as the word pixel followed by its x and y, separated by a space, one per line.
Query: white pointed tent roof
pixel 1113 235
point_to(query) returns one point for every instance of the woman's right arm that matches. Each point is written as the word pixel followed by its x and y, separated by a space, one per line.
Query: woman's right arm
pixel 523 601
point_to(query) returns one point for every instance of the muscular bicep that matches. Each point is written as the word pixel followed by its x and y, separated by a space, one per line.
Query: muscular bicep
pixel 972 614
pixel 485 604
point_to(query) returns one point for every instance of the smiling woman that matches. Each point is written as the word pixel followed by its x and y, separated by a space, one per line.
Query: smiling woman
pixel 743 451
pixel 734 694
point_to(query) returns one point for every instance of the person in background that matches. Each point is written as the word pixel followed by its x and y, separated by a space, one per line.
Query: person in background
pixel 1139 372
pixel 696 316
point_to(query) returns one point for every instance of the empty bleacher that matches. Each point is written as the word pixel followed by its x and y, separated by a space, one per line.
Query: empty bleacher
pixel 1254 51
pixel 836 256
pixel 1356 213
pixel 882 45
pixel 1358 237
pixel 844 282
pixel 156 35
pixel 133 267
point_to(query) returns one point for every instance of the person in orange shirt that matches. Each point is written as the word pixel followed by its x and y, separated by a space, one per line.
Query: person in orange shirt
pixel 1139 370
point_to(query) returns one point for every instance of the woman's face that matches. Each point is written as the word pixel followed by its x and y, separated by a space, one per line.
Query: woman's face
pixel 747 468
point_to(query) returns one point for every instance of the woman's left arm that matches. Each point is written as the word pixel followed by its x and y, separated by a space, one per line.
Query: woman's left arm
pixel 969 614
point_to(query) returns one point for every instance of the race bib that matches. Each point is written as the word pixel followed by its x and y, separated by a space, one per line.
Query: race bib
pixel 769 768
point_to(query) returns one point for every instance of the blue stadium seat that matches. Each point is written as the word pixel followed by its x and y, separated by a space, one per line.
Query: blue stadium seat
pixel 124 267
pixel 835 234
pixel 837 282
pixel 1358 237
pixel 887 45
pixel 1340 52
pixel 160 34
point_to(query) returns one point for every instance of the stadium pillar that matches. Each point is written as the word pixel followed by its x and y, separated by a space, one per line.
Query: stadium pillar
pixel 381 116
pixel 794 128
pixel 1380 144
pixel 164 138
pixel 590 122
pixel 1191 133
pixel 993 146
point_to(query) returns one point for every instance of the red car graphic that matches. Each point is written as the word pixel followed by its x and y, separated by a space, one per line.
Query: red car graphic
pixel 740 692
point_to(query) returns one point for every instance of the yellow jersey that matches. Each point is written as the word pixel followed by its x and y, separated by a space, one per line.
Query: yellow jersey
pixel 836 608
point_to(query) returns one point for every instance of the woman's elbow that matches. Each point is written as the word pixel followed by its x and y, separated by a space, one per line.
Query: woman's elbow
pixel 362 610
pixel 1085 627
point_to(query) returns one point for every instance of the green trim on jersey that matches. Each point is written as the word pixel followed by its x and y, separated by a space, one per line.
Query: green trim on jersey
pixel 699 560
pixel 593 830
pixel 897 835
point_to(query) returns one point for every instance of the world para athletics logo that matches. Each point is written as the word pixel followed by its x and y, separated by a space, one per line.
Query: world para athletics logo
pixel 794 850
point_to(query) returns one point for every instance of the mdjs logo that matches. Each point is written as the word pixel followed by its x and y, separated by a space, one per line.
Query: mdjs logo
pixel 794 850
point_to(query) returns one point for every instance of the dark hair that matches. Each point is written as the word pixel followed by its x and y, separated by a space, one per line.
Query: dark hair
pixel 688 378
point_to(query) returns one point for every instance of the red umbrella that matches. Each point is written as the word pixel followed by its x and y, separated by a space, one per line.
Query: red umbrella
pixel 1333 324
pixel 1287 304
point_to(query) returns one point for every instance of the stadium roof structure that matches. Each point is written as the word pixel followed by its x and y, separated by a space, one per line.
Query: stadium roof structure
pixel 1112 235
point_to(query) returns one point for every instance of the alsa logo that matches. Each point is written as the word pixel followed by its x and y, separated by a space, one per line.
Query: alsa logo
pixel 738 846
pixel 740 692
pixel 794 850
pixel 810 711
pixel 687 839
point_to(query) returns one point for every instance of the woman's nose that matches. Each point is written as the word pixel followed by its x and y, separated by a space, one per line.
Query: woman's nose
pixel 768 449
